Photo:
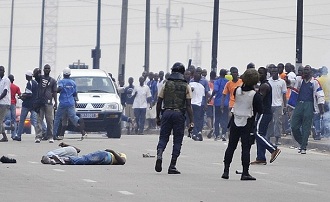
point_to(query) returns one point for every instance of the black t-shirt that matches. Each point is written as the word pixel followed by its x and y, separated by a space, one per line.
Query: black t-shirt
pixel 46 87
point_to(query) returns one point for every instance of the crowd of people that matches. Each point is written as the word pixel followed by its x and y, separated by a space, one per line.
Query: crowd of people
pixel 268 102
pixel 40 100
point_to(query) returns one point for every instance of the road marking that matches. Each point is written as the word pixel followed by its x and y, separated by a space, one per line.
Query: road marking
pixel 307 183
pixel 12 155
pixel 58 170
pixel 88 180
pixel 126 192
pixel 33 162
pixel 261 173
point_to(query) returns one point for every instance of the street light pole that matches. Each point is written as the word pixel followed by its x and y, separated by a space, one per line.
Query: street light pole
pixel 299 33
pixel 214 61
pixel 96 53
pixel 11 37
pixel 147 37
pixel 42 33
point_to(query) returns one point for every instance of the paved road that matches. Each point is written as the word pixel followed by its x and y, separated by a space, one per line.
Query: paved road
pixel 292 176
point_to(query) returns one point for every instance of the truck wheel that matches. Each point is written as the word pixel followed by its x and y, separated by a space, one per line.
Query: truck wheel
pixel 114 131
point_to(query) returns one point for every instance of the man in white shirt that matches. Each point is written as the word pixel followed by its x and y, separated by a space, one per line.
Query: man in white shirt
pixel 278 105
pixel 4 101
pixel 142 98
pixel 198 91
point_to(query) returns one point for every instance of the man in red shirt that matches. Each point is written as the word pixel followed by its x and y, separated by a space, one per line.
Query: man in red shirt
pixel 14 90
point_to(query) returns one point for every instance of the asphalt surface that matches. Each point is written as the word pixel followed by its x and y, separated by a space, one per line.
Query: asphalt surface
pixel 292 177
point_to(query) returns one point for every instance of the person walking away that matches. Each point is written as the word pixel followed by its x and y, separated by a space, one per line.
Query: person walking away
pixel 4 101
pixel 14 90
pixel 176 99
pixel 310 99
pixel 28 98
pixel 247 104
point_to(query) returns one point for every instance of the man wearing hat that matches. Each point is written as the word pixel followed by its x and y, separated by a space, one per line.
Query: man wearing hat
pixel 28 98
pixel 67 102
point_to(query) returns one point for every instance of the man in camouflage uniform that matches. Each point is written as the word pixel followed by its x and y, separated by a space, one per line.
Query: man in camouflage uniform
pixel 175 96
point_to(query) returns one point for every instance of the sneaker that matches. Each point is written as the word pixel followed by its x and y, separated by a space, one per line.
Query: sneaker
pixel 17 139
pixel 4 139
pixel 258 162
pixel 217 138
pixel 5 159
pixel 303 151
pixel 274 155
pixel 209 135
pixel 51 140
pixel 247 177
pixel 59 137
pixel 223 138
pixel 37 140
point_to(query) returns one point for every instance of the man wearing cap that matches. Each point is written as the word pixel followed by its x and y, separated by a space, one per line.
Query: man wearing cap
pixel 4 101
pixel 14 90
pixel 28 98
pixel 68 97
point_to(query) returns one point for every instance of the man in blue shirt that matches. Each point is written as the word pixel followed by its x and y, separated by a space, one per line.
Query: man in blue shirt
pixel 67 101
pixel 221 114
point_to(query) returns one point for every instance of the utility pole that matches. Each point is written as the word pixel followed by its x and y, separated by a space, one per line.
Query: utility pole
pixel 96 53
pixel 147 37
pixel 11 36
pixel 50 34
pixel 42 33
pixel 299 33
pixel 170 22
pixel 215 34
pixel 123 37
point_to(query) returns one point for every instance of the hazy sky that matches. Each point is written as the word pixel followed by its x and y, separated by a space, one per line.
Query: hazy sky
pixel 259 31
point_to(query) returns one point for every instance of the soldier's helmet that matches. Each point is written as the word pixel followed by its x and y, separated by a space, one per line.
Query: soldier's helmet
pixel 178 67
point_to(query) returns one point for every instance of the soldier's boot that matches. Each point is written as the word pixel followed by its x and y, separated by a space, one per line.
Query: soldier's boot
pixel 158 166
pixel 172 169
pixel 225 174
pixel 246 175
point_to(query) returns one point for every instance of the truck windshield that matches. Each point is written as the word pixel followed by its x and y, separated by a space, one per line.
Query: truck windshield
pixel 94 84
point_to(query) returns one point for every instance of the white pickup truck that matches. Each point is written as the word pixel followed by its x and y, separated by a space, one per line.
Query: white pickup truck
pixel 99 104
